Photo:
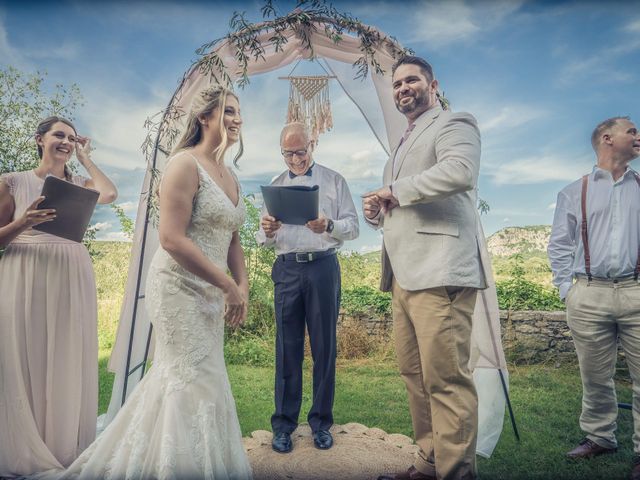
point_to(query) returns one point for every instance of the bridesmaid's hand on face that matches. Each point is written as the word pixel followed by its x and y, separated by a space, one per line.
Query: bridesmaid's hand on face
pixel 83 149
pixel 32 216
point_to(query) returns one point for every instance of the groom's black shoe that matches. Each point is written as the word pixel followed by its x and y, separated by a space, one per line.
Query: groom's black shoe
pixel 322 439
pixel 281 442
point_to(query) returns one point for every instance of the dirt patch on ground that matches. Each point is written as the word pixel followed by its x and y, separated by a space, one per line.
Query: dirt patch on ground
pixel 358 453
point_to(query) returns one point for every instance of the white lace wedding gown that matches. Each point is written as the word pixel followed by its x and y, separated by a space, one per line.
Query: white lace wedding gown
pixel 180 422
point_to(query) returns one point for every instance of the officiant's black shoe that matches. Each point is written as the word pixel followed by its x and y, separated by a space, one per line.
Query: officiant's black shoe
pixel 281 442
pixel 322 439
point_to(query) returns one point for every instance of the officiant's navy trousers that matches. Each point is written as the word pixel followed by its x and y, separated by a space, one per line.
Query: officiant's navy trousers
pixel 305 293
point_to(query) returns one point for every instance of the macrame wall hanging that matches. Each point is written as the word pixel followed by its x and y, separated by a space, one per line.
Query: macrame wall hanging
pixel 309 103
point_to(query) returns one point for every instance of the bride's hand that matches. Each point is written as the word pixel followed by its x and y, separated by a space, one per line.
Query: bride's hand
pixel 244 289
pixel 235 309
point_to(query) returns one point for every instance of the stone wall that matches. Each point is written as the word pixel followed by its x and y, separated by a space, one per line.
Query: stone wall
pixel 374 324
pixel 535 336
pixel 529 336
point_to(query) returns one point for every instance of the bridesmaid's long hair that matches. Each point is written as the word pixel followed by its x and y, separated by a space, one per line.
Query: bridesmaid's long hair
pixel 203 104
pixel 44 126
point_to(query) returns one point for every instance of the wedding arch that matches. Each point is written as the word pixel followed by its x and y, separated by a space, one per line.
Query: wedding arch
pixel 360 58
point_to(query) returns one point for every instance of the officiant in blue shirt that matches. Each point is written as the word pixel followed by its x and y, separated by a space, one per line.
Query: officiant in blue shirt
pixel 306 277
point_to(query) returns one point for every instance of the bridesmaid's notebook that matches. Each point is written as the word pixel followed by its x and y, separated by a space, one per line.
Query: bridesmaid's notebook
pixel 74 206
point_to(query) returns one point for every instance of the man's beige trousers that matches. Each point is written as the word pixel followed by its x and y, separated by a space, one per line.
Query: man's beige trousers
pixel 432 330
pixel 598 313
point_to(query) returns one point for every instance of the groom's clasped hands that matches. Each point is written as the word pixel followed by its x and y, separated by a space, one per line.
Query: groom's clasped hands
pixel 378 200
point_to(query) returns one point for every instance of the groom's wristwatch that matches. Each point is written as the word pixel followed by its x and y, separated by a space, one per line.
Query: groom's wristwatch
pixel 329 226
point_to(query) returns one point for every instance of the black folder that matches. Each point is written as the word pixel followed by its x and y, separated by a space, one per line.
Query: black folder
pixel 291 204
pixel 74 206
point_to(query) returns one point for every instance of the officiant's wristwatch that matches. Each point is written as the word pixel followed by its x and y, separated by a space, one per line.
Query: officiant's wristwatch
pixel 329 226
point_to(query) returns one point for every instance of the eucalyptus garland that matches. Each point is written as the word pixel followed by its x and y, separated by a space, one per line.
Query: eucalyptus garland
pixel 308 17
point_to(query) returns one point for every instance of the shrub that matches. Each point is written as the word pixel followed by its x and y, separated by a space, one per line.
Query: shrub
pixel 365 299
pixel 353 341
pixel 518 293
pixel 242 348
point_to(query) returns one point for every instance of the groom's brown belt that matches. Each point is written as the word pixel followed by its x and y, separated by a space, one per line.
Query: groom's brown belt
pixel 306 257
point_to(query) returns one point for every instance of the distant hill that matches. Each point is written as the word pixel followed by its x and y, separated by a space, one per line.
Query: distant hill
pixel 530 240
pixel 526 240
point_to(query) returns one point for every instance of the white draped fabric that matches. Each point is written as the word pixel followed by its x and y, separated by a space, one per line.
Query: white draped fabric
pixel 373 97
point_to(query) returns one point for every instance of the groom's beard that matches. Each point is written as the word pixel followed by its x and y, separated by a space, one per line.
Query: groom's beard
pixel 420 101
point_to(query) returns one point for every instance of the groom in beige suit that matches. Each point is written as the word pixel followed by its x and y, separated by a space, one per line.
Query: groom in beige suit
pixel 431 264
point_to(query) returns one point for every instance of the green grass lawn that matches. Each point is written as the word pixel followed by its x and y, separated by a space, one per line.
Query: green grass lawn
pixel 546 401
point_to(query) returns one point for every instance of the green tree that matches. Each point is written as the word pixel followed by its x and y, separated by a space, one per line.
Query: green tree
pixel 24 101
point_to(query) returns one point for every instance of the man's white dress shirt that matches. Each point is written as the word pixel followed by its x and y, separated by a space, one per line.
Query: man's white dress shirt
pixel 613 219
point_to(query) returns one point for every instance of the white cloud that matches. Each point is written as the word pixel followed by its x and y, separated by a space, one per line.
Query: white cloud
pixel 539 169
pixel 633 26
pixel 369 248
pixel 441 23
pixel 506 220
pixel 598 65
pixel 509 116
pixel 8 54
pixel 446 22
pixel 603 63
pixel 66 50
pixel 115 126
pixel 28 59
pixel 355 165
pixel 551 206
pixel 167 17
pixel 102 225
pixel 128 206
pixel 113 237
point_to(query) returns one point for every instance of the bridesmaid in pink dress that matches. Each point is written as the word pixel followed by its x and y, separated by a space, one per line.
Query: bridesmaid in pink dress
pixel 48 315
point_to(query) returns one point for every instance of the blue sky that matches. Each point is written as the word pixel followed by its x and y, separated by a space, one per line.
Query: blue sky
pixel 537 75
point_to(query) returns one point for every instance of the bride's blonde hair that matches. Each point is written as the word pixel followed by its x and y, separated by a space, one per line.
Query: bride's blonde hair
pixel 203 105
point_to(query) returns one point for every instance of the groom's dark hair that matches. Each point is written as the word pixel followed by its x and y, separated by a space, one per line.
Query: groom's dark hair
pixel 425 67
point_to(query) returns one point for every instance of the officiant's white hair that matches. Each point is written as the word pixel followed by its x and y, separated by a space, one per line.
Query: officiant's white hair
pixel 299 127
pixel 295 127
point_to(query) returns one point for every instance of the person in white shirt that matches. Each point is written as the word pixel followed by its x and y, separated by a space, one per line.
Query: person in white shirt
pixel 306 277
pixel 594 251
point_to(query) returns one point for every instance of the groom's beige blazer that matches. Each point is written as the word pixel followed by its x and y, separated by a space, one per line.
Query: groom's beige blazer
pixel 430 240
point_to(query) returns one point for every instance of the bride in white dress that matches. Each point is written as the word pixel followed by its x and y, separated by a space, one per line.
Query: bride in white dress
pixel 181 422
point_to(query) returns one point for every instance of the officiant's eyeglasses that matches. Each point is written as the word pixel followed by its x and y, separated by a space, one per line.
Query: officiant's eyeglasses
pixel 297 153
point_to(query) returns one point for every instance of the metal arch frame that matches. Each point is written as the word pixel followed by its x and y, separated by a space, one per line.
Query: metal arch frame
pixel 142 365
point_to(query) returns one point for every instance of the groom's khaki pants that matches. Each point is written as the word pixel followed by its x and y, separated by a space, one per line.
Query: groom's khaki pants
pixel 599 313
pixel 432 330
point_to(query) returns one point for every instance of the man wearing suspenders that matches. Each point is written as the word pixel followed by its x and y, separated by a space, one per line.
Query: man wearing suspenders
pixel 594 251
